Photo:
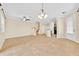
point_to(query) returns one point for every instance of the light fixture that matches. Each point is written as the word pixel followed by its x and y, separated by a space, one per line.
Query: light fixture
pixel 25 18
pixel 42 15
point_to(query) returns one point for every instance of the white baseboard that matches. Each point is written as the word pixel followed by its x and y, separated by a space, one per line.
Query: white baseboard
pixel 12 36
pixel 60 36
pixel 72 37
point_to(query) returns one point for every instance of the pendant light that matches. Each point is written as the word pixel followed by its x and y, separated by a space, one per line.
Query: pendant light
pixel 42 15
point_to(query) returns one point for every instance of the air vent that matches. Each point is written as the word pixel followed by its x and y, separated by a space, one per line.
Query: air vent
pixel 25 19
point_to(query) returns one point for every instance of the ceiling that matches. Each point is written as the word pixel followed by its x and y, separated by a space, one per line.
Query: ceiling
pixel 32 9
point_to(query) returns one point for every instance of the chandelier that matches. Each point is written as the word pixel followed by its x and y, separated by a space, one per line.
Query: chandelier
pixel 42 15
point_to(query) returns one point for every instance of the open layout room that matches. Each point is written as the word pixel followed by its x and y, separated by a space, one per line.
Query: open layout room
pixel 39 29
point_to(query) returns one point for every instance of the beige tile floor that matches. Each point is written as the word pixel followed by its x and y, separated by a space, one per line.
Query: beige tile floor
pixel 39 45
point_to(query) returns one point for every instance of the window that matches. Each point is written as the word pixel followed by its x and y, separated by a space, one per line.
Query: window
pixel 70 25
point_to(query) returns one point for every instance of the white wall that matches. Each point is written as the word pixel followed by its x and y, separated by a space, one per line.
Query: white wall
pixel 42 29
pixel 60 27
pixel 15 28
pixel 77 25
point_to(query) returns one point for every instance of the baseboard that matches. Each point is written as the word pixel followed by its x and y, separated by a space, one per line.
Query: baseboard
pixel 72 37
pixel 60 36
pixel 13 36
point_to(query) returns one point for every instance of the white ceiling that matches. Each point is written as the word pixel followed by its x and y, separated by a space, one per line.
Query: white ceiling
pixel 32 9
